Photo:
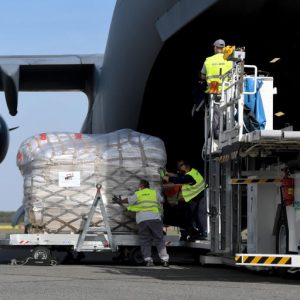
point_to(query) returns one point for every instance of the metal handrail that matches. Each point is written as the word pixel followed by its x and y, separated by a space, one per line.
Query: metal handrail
pixel 232 105
pixel 254 78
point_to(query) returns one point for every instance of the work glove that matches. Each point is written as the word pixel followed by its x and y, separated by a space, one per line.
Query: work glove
pixel 162 172
pixel 117 199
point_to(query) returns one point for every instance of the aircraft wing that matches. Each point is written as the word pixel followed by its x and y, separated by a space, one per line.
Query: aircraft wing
pixel 47 73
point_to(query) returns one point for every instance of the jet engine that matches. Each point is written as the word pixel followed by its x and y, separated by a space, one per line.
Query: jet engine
pixel 4 139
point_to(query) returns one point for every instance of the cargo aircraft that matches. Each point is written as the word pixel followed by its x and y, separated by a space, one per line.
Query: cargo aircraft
pixel 154 53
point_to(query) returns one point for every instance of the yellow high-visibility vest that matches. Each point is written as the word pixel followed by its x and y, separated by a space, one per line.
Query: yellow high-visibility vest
pixel 216 67
pixel 191 191
pixel 146 201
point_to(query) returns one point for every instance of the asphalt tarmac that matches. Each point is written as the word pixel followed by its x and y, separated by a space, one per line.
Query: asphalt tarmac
pixel 101 279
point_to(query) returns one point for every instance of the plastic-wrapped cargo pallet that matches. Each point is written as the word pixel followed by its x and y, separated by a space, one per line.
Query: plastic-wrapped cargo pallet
pixel 61 171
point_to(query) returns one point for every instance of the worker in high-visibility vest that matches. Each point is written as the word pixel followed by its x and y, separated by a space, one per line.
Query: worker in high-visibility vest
pixel 193 186
pixel 215 68
pixel 146 203
pixel 216 71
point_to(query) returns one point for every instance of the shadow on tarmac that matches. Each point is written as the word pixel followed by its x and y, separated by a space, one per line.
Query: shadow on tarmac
pixel 216 273
pixel 181 269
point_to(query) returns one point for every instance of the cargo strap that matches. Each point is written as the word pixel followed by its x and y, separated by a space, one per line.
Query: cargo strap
pixel 33 262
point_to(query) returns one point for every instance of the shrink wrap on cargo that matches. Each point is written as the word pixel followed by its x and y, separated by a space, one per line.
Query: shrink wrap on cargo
pixel 61 171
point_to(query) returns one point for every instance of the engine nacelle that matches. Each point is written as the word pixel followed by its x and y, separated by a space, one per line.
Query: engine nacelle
pixel 4 139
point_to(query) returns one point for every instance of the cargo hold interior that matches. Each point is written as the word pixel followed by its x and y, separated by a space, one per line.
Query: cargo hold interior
pixel 267 30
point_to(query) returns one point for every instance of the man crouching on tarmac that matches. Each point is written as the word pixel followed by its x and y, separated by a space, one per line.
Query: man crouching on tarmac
pixel 146 203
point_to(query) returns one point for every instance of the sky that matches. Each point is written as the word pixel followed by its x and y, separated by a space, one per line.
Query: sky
pixel 35 27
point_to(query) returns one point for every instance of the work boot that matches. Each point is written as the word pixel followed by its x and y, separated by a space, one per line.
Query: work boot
pixel 183 238
pixel 165 263
pixel 203 236
pixel 183 235
pixel 149 263
pixel 196 237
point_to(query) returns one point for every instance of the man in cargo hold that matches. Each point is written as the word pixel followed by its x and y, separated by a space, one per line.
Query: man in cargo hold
pixel 146 203
pixel 193 186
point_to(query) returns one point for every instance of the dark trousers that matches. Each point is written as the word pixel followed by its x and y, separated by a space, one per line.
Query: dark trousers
pixel 196 216
pixel 216 121
pixel 151 232
pixel 216 114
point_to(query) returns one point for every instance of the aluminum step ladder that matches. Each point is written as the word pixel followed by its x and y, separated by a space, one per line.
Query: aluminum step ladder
pixel 87 240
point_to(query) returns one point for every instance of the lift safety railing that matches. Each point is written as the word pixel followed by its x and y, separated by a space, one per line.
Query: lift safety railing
pixel 231 108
